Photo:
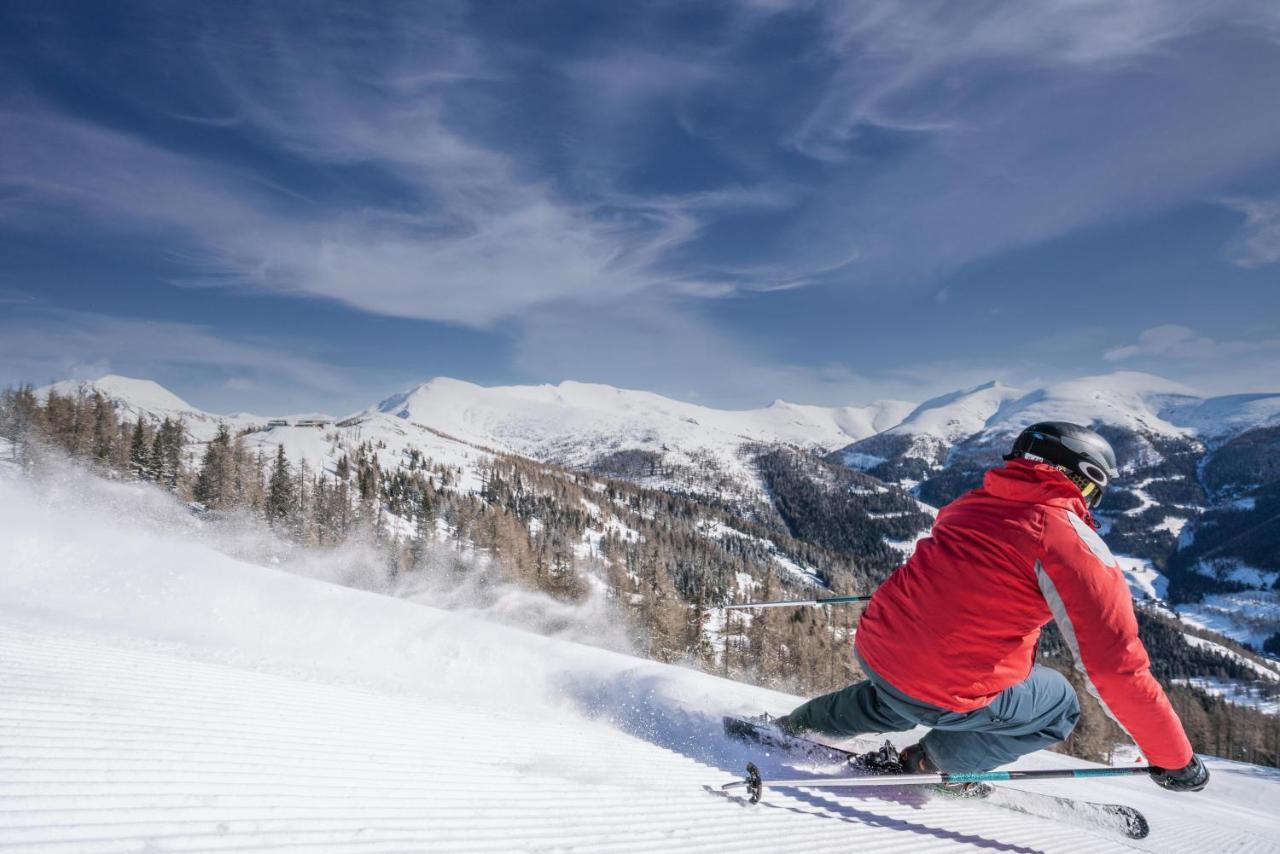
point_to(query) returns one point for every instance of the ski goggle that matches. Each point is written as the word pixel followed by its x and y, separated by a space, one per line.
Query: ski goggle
pixel 1094 482
pixel 1094 473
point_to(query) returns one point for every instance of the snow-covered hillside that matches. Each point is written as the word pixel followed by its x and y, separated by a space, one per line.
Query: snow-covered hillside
pixel 160 695
pixel 583 425
pixel 539 421
pixel 1190 462
pixel 695 448
pixel 1134 401
pixel 137 398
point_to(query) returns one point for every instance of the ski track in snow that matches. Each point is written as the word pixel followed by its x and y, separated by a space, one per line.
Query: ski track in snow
pixel 107 749
pixel 156 695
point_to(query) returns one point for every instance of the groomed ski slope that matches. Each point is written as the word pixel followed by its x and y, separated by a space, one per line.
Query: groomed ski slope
pixel 157 695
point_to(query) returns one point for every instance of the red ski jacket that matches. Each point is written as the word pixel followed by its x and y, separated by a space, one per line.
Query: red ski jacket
pixel 958 622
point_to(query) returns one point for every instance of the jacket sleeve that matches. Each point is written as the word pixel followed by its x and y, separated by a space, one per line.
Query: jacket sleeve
pixel 1086 591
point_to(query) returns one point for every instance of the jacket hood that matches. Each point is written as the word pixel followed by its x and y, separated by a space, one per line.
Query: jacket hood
pixel 1036 483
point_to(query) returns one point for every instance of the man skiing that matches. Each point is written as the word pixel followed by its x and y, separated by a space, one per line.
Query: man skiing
pixel 948 641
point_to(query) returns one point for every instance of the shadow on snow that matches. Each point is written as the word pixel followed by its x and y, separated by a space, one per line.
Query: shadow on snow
pixel 639 707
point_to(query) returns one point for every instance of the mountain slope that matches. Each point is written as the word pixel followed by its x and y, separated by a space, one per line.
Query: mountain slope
pixel 636 435
pixel 162 696
pixel 137 398
pixel 539 421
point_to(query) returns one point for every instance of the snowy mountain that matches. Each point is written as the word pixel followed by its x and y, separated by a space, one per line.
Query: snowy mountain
pixel 160 695
pixel 136 398
pixel 573 418
pixel 1131 402
pixel 635 434
pixel 1201 475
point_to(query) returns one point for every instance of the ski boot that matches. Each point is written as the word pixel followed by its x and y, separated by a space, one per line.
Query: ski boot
pixel 913 760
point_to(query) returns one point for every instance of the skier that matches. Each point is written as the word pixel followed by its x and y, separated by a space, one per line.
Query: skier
pixel 948 641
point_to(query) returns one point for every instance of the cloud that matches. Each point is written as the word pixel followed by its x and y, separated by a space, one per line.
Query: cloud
pixel 1258 242
pixel 654 345
pixel 1010 124
pixel 469 233
pixel 892 49
pixel 498 246
pixel 1175 342
pixel 49 345
pixel 1170 340
pixel 1220 366
pixel 602 198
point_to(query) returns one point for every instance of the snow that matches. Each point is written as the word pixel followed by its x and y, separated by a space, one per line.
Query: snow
pixel 1124 399
pixel 161 695
pixel 1248 617
pixel 1145 581
pixel 1138 401
pixel 1267 702
pixel 1269 672
pixel 137 398
pixel 958 415
pixel 796 570
pixel 856 460
pixel 1219 416
pixel 1143 497
pixel 539 420
pixel 576 424
pixel 907 547
pixel 144 394
pixel 1233 569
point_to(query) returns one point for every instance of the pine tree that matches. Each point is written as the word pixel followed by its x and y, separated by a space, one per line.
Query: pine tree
pixel 213 486
pixel 164 462
pixel 139 452
pixel 424 528
pixel 281 496
pixel 21 420
pixel 106 428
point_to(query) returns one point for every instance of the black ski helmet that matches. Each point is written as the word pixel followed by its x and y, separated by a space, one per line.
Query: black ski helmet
pixel 1079 452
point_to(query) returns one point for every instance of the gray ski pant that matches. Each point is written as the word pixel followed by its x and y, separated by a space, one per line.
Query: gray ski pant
pixel 1040 711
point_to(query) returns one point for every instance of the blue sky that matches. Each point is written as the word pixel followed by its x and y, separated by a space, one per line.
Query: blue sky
pixel 311 205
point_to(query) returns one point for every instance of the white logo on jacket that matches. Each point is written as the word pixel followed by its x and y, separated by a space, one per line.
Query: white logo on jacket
pixel 1092 540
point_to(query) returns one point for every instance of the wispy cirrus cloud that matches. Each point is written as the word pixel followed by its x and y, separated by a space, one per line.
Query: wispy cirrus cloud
pixel 217 369
pixel 1258 242
pixel 466 230
pixel 651 170
pixel 1012 124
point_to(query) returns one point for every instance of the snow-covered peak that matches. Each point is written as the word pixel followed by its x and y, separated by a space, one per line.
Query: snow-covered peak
pixel 952 417
pixel 1129 399
pixel 540 418
pixel 147 400
pixel 140 394
pixel 138 398
pixel 1229 414
pixel 1132 400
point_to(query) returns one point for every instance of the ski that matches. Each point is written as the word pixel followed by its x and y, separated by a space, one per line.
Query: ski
pixel 1117 818
pixel 762 731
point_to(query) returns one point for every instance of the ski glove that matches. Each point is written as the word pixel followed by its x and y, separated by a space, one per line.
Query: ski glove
pixel 1192 778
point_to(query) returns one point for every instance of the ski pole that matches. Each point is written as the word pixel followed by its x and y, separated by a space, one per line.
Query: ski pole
pixel 754 784
pixel 829 600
